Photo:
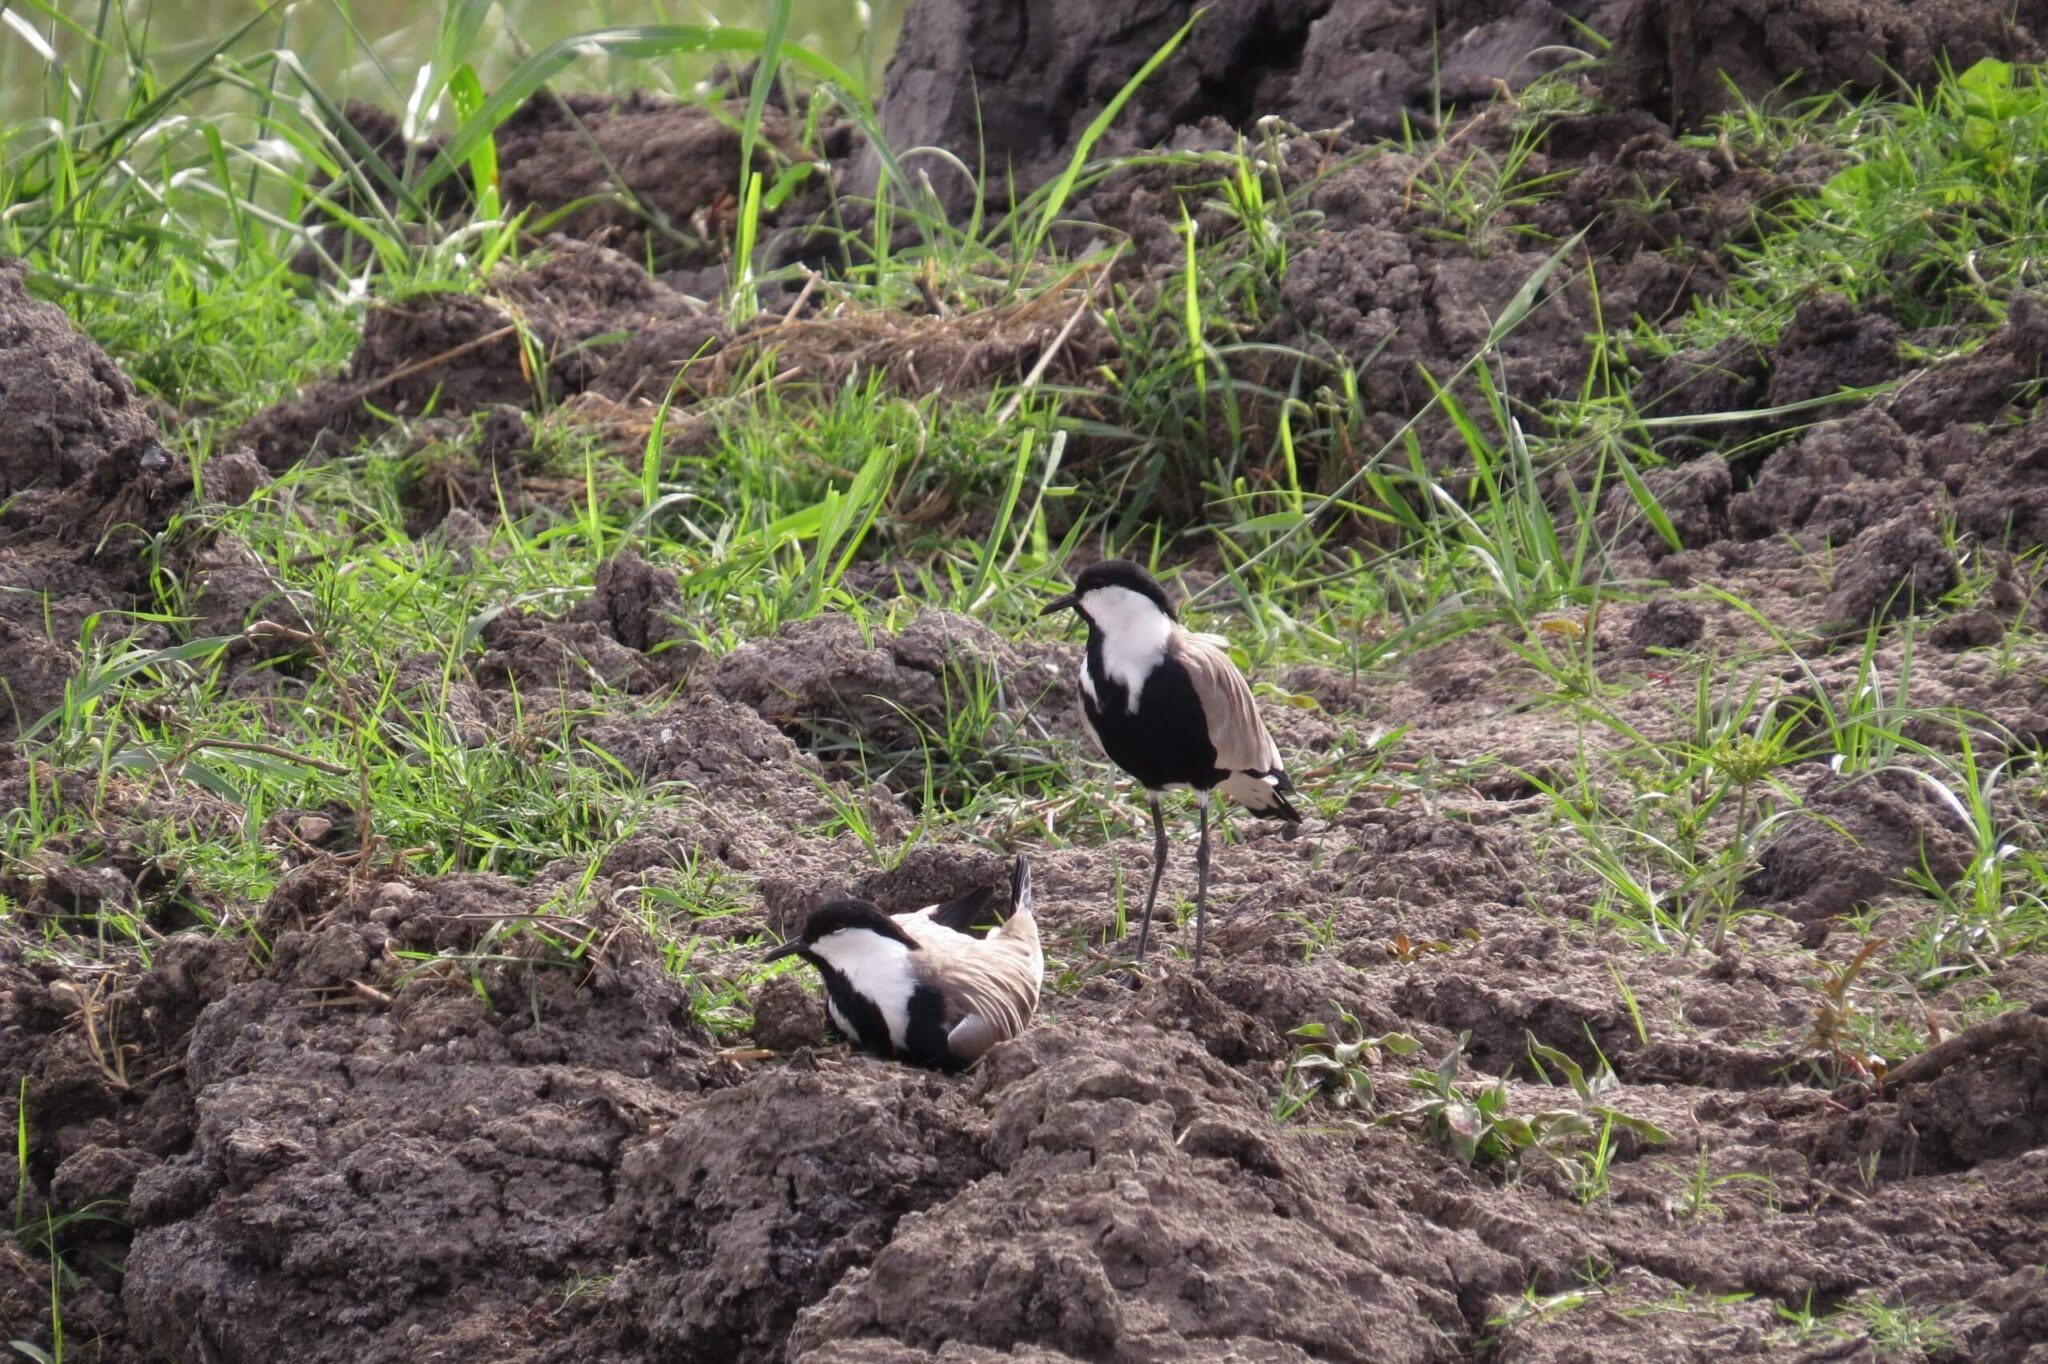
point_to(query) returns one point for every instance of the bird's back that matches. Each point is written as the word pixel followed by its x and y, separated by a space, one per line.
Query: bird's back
pixel 989 985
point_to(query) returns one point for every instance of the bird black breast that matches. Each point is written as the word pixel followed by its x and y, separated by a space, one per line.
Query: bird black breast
pixel 862 1014
pixel 927 1041
pixel 1167 742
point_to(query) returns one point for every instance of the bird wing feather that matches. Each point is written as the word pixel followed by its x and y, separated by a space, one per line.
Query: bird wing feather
pixel 990 985
pixel 1244 747
pixel 1242 743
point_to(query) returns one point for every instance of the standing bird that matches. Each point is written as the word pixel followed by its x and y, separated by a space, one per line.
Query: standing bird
pixel 922 987
pixel 1171 709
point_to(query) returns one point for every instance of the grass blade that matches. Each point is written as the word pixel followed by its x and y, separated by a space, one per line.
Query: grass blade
pixel 638 41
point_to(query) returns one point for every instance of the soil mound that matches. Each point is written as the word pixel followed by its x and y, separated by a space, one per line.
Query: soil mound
pixel 650 178
pixel 83 483
pixel 968 74
pixel 643 174
pixel 450 353
pixel 1682 59
pixel 588 333
pixel 1962 440
pixel 625 636
pixel 971 74
pixel 1405 277
pixel 496 1139
pixel 824 680
pixel 1125 1166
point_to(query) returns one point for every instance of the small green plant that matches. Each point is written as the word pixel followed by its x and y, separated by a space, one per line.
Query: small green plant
pixel 1674 852
pixel 1891 1330
pixel 1335 1067
pixel 1480 1129
pixel 1685 1302
pixel 1838 1022
pixel 1999 905
pixel 1533 1306
pixel 1628 1002
pixel 21 1156
pixel 1408 951
pixel 1319 932
pixel 586 1285
pixel 45 1238
pixel 1589 1176
pixel 1694 1200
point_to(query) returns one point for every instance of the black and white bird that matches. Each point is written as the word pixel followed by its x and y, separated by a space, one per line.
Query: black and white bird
pixel 1170 708
pixel 923 987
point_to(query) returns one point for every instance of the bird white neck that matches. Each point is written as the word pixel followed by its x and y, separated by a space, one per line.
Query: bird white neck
pixel 1134 637
pixel 878 969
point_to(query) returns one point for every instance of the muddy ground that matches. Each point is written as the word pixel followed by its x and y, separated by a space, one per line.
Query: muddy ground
pixel 328 1153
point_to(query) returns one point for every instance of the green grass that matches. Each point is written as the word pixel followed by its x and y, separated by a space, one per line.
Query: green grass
pixel 1892 1332
pixel 1934 210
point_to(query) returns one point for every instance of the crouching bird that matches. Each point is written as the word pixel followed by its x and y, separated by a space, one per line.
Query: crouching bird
pixel 1171 709
pixel 924 987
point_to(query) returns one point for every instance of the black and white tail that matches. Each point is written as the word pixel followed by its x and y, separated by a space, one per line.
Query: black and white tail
pixel 965 914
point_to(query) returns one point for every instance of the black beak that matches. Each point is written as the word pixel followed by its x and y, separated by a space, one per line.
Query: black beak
pixel 788 949
pixel 1072 599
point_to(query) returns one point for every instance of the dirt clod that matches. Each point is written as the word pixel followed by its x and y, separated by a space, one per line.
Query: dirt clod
pixel 1683 60
pixel 1890 569
pixel 822 679
pixel 1866 834
pixel 1667 625
pixel 610 167
pixel 83 481
pixel 624 636
pixel 786 1016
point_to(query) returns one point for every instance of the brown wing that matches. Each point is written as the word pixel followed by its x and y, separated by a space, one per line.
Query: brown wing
pixel 1244 749
pixel 990 985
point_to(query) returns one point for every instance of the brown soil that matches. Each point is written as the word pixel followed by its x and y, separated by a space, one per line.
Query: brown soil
pixel 333 1155
pixel 1670 57
pixel 825 678
pixel 83 482
pixel 969 75
pixel 649 178
pixel 466 1115
pixel 588 332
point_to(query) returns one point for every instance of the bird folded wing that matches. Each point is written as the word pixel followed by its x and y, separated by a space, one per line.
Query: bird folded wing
pixel 990 986
pixel 1242 743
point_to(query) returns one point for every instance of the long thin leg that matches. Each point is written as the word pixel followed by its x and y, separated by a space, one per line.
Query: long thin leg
pixel 1158 867
pixel 1201 877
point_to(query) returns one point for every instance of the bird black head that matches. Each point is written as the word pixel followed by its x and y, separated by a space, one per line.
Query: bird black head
pixel 1112 573
pixel 836 915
